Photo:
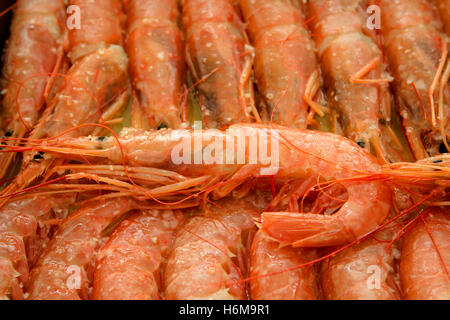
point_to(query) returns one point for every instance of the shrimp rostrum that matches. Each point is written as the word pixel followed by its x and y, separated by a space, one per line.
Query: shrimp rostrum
pixel 226 160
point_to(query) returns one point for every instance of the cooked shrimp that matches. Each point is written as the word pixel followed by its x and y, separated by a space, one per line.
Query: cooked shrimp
pixel 156 50
pixel 300 154
pixel 95 88
pixel 216 53
pixel 286 70
pixel 128 266
pixel 207 260
pixel 33 53
pixel 416 49
pixel 425 260
pixel 267 257
pixel 19 221
pixel 60 272
pixel 355 77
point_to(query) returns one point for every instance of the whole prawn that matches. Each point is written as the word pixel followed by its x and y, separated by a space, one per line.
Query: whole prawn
pixel 128 266
pixel 416 49
pixel 35 47
pixel 96 86
pixel 301 154
pixel 355 77
pixel 216 53
pixel 156 50
pixel 208 257
pixel 286 70
pixel 425 259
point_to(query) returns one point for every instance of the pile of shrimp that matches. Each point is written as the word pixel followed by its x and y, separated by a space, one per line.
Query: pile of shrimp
pixel 225 149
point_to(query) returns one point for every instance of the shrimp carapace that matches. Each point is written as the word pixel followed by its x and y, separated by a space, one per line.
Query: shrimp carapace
pixel 286 71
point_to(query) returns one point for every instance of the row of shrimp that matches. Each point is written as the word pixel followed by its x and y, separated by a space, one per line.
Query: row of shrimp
pixel 158 228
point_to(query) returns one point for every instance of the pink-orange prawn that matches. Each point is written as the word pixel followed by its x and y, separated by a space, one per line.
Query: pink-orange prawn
pixel 417 50
pixel 286 71
pixel 19 221
pixel 61 271
pixel 425 260
pixel 355 76
pixel 208 258
pixel 217 53
pixel 95 87
pixel 129 265
pixel 156 50
pixel 35 47
pixel 297 154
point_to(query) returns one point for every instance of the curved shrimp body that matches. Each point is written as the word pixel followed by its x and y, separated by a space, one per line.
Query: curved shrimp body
pixel 444 10
pixel 217 58
pixel 286 70
pixel 18 223
pixel 95 86
pixel 364 271
pixel 60 272
pixel 425 260
pixel 297 154
pixel 207 260
pixel 355 77
pixel 128 266
pixel 156 50
pixel 267 258
pixel 31 55
pixel 416 50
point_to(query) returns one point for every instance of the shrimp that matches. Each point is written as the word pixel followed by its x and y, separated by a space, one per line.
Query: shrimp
pixel 425 259
pixel 156 50
pixel 444 10
pixel 34 48
pixel 60 272
pixel 416 49
pixel 355 77
pixel 364 271
pixel 97 80
pixel 207 260
pixel 297 154
pixel 128 266
pixel 268 257
pixel 19 220
pixel 216 53
pixel 286 70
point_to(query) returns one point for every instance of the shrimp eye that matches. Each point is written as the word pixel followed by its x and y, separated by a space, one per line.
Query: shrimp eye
pixel 9 133
pixel 438 161
pixel 162 125
pixel 38 157
pixel 361 143
pixel 101 138
pixel 442 148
